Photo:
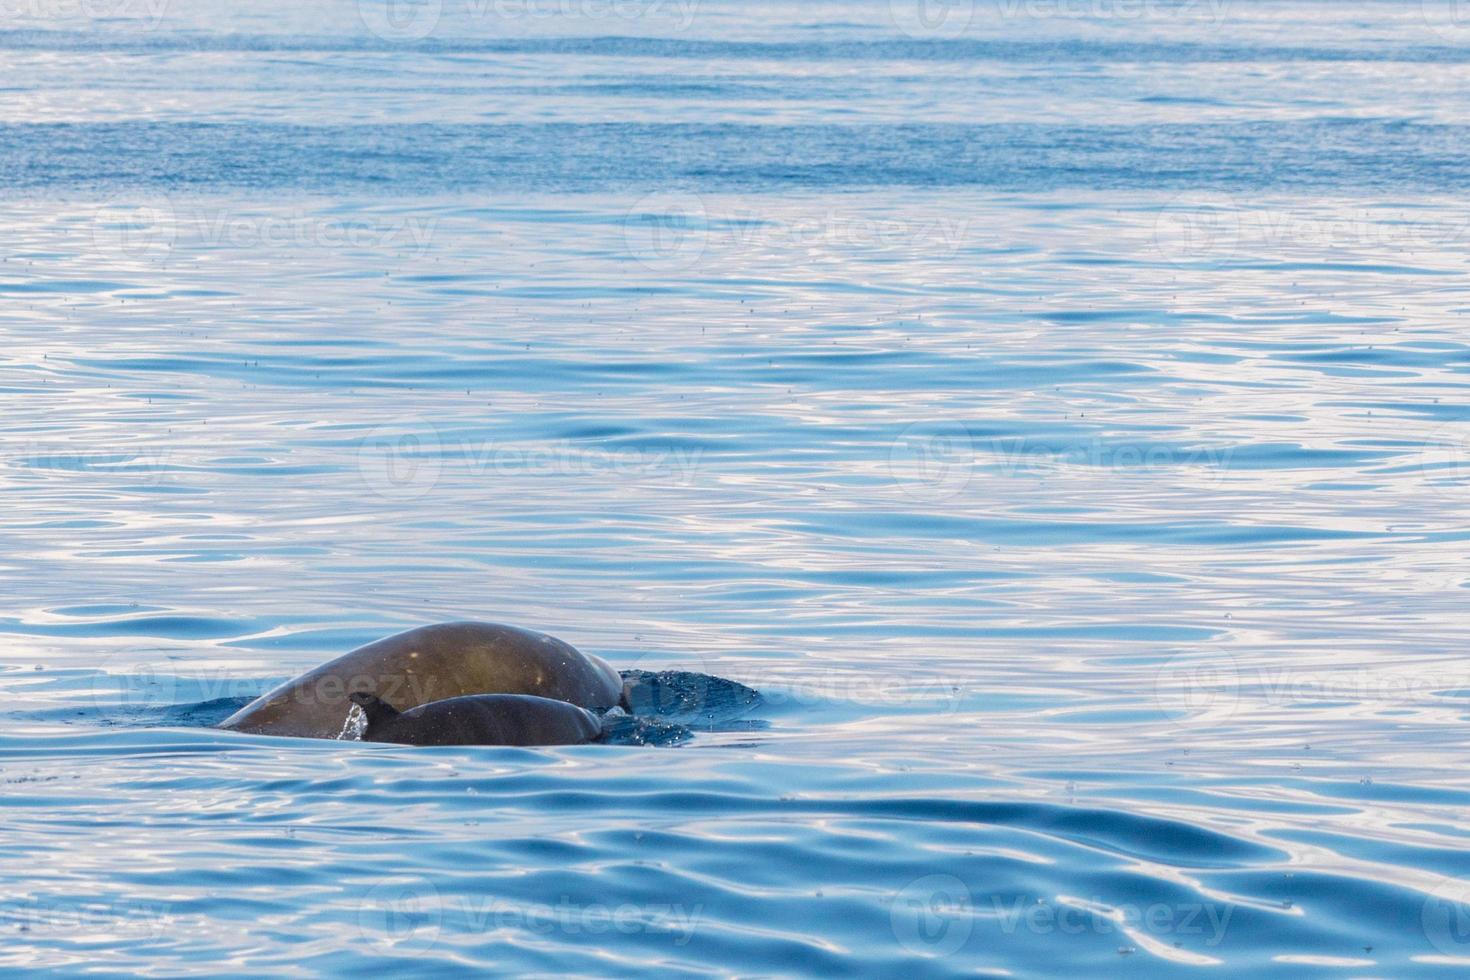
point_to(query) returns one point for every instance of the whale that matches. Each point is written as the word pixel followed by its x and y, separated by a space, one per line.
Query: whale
pixel 431 664
pixel 479 719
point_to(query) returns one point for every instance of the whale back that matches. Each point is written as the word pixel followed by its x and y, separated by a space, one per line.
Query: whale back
pixel 488 719
pixel 428 664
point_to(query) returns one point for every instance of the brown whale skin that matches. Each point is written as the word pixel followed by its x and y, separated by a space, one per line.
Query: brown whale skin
pixel 427 664
pixel 480 719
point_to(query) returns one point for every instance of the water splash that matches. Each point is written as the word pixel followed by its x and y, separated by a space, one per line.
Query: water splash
pixel 354 726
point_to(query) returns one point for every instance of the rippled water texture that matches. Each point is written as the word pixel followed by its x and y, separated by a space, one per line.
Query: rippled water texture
pixel 1056 410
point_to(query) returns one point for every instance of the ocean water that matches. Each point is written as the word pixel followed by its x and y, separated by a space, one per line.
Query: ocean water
pixel 1057 410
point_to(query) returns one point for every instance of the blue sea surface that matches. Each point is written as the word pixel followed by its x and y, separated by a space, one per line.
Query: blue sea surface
pixel 1057 410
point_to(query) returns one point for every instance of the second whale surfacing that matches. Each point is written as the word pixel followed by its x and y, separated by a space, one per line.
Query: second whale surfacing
pixel 479 719
pixel 431 664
